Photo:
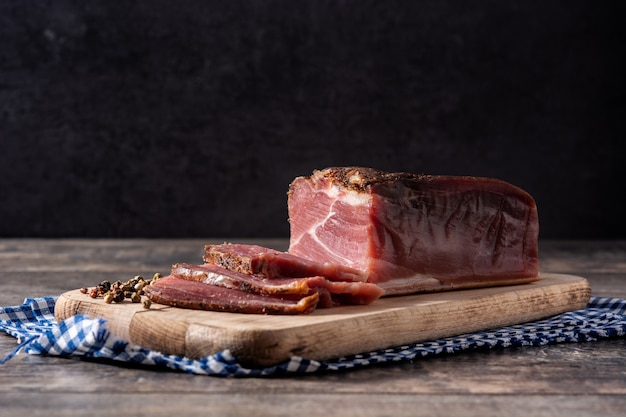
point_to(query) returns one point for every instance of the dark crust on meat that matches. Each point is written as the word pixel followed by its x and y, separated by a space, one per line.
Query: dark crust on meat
pixel 361 178
pixel 242 264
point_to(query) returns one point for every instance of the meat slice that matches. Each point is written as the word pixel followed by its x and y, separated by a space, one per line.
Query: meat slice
pixel 217 275
pixel 331 293
pixel 178 292
pixel 254 259
pixel 415 233
pixel 345 292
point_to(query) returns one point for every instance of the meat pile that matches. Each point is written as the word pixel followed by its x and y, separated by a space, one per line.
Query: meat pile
pixel 358 234
pixel 253 279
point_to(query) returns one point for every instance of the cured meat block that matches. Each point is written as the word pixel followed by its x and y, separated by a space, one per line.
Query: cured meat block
pixel 416 233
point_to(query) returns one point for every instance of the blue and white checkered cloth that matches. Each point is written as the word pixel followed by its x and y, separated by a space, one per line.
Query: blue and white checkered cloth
pixel 38 333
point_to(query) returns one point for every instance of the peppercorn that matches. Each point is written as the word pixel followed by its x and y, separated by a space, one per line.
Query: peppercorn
pixel 104 286
pixel 155 278
pixel 118 295
pixel 118 291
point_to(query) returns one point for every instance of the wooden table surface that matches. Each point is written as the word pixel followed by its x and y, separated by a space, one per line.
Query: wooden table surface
pixel 586 379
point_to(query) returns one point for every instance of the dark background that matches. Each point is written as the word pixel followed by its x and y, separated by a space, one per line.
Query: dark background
pixel 190 119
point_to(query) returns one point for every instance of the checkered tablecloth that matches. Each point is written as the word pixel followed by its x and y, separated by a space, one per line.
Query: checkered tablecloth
pixel 38 333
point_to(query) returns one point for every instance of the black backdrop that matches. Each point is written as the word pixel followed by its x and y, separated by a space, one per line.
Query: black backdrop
pixel 189 119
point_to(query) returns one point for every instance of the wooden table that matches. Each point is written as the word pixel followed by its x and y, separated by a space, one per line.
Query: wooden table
pixel 566 379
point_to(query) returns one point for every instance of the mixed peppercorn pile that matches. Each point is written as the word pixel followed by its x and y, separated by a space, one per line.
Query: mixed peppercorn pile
pixel 119 291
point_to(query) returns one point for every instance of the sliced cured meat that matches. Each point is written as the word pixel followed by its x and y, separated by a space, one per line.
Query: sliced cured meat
pixel 345 292
pixel 178 292
pixel 254 259
pixel 222 277
pixel 415 233
pixel 331 293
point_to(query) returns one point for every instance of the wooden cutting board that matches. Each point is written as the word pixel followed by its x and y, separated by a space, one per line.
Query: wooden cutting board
pixel 259 340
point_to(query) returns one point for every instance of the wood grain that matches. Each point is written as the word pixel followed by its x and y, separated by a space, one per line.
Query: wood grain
pixel 260 340
pixel 325 404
